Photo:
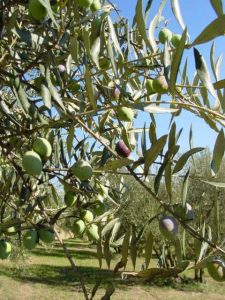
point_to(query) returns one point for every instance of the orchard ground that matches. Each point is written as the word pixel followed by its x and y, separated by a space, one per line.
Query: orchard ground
pixel 46 275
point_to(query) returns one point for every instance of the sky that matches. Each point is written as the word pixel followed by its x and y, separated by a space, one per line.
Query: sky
pixel 197 14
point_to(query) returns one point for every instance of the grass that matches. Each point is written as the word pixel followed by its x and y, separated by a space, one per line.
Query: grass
pixel 46 274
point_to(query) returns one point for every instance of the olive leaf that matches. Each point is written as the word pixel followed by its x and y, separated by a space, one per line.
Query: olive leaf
pixel 141 23
pixel 213 30
pixel 113 36
pixel 177 13
pixel 184 158
pixel 152 153
pixel 215 183
pixel 151 32
pixel 95 50
pixel 217 6
pixel 176 61
pixel 149 248
pixel 218 152
pixel 204 76
pixel 89 87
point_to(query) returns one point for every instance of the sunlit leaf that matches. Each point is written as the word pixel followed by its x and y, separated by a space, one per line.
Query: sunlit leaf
pixel 177 13
pixel 184 158
pixel 176 61
pixel 218 6
pixel 218 152
pixel 152 153
pixel 141 22
pixel 213 30
pixel 148 248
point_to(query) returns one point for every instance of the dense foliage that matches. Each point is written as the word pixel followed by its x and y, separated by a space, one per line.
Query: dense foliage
pixel 76 83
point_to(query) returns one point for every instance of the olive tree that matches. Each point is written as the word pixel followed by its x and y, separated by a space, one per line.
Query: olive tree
pixel 74 79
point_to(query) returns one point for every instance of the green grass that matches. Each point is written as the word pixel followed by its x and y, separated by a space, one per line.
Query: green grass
pixel 46 274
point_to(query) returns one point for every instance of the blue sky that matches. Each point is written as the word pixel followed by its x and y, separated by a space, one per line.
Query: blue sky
pixel 196 14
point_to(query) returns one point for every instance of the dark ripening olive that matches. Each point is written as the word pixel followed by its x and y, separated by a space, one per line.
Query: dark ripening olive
pixel 185 212
pixel 116 93
pixel 122 149
pixel 216 269
pixel 168 227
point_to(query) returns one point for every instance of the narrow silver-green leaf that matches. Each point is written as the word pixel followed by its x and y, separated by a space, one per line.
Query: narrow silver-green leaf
pixel 115 230
pixel 153 24
pixel 152 133
pixel 143 141
pixel 177 13
pixel 89 88
pixel 74 48
pixel 112 58
pixel 116 164
pixel 86 40
pixel 99 252
pixel 107 253
pixel 217 6
pixel 148 248
pixel 109 226
pixel 184 158
pixel 55 195
pixel 213 30
pixel 218 152
pixel 155 109
pixel 133 249
pixel 46 95
pixel 153 152
pixel 21 95
pixel 204 76
pixel 125 247
pixel 114 36
pixel 47 5
pixel 69 140
pixel 53 90
pixel 216 184
pixel 141 23
pixel 95 50
pixel 216 216
pixel 219 84
pixel 178 250
pixel 168 179
pixel 218 66
pixel 185 188
pixel 212 60
pixel 176 61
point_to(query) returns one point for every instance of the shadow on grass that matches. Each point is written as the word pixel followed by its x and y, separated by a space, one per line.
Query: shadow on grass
pixel 58 275
pixel 77 253
pixel 64 277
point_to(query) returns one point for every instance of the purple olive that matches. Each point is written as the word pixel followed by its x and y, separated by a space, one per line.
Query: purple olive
pixel 61 68
pixel 122 149
pixel 116 93
pixel 168 227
